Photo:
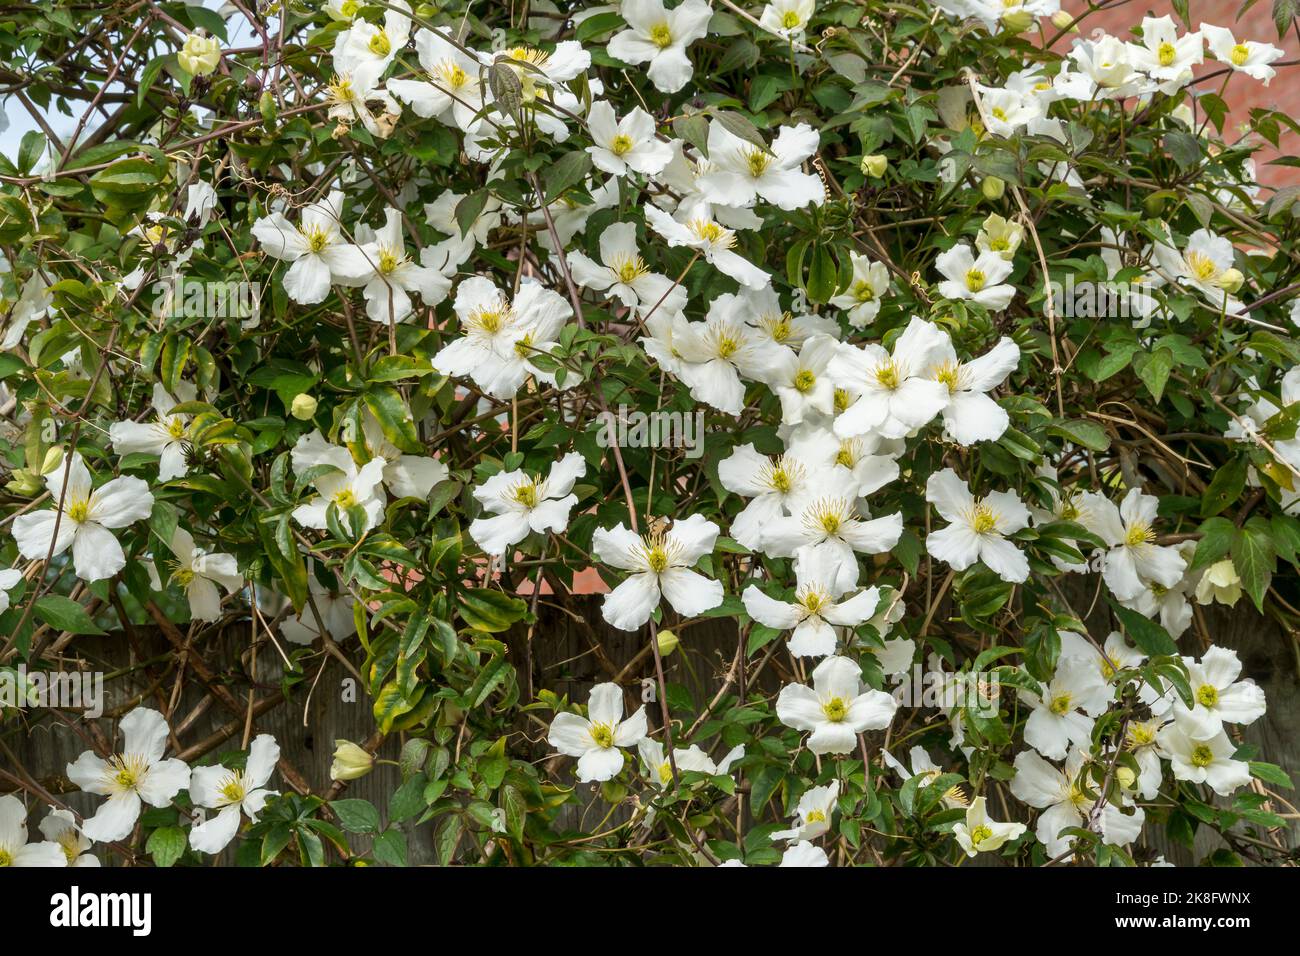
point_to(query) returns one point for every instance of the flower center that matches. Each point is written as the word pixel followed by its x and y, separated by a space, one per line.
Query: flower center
pixel 947 374
pixel 827 515
pixel 814 816
pixel 1139 533
pixel 863 291
pixel 804 380
pixel 975 279
pixel 176 428
pixel 379 44
pixel 602 735
pixel 341 92
pixel 1207 695
pixel 317 238
pixel 842 401
pixel 779 327
pixel 489 319
pixel 1202 266
pixel 848 453
pixel 629 268
pixel 814 599
pixel 1239 54
pixel 1166 53
pixel 665 772
pixel 125 771
pixel 984 520
pixel 345 499
pixel 621 145
pixel 790 20
pixel 658 551
pixel 757 161
pixel 67 842
pixel 835 709
pixel 1202 755
pixel 710 232
pixel 451 74
pixel 183 576
pixel 5 858
pixel 1060 705
pixel 233 790
pixel 661 35
pixel 980 834
pixel 888 375
pixel 526 494
pixel 79 511
pixel 389 261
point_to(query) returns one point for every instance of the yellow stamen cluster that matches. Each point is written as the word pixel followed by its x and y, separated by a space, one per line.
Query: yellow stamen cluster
pixel 1202 755
pixel 602 735
pixel 827 516
pixel 1239 54
pixel 126 771
pixel 835 709
pixel 975 279
pixel 78 511
pixel 628 268
pixel 1139 533
pixel 709 231
pixel 658 551
pixel 661 35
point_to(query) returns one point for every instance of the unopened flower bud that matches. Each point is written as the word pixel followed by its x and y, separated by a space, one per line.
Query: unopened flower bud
pixel 303 407
pixel 53 458
pixel 1230 281
pixel 200 54
pixel 992 188
pixel 874 165
pixel 24 483
pixel 1064 21
pixel 1017 22
pixel 350 761
pixel 667 642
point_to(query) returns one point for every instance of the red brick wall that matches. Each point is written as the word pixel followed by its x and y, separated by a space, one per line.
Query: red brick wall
pixel 1243 93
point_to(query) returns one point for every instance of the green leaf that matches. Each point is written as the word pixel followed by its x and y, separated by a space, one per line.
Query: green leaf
pixel 390 848
pixel 166 845
pixel 486 609
pixel 1254 558
pixel 1225 487
pixel 394 417
pixel 1088 434
pixel 356 816
pixel 1149 636
pixel 1271 773
pixel 1217 536
pixel 65 614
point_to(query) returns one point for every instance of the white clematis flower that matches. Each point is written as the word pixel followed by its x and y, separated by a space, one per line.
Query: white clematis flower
pixel 788 18
pixel 812 814
pixel 740 173
pixel 1163 55
pixel 520 504
pixel 775 486
pixel 346 486
pixel 367 45
pixel 393 276
pixel 452 93
pixel 622 274
pixel 979 834
pixel 836 708
pixel 232 792
pixel 800 380
pixel 863 296
pixel 832 523
pixel 316 247
pixel 595 739
pixel 894 397
pixel 659 36
pixel 198 574
pixel 1202 760
pixel 337 618
pixel 1134 556
pixel 1064 714
pixel 60 827
pixel 166 437
pixel 14 848
pixel 1219 696
pixel 1247 57
pixel 659 770
pixel 660 567
pixel 86 518
pixel 135 775
pixel 625 144
pixel 1057 793
pixel 970 415
pixel 501 336
pixel 977 530
pixel 816 609
pixel 975 279
pixel 713 242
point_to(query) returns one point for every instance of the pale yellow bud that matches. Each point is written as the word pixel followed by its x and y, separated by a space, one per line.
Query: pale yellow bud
pixel 1230 281
pixel 992 188
pixel 874 165
pixel 303 407
pixel 200 54
pixel 350 761
pixel 667 642
pixel 1064 21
